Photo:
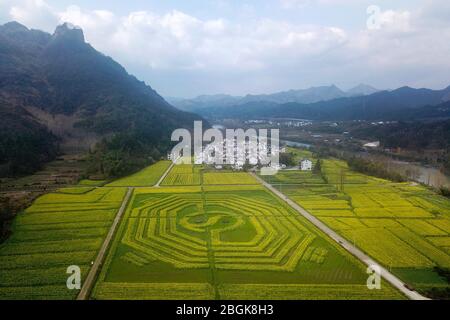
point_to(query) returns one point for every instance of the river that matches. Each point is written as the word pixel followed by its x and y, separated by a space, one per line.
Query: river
pixel 427 175
pixel 295 144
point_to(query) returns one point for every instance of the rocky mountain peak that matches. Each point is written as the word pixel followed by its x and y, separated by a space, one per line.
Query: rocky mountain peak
pixel 68 31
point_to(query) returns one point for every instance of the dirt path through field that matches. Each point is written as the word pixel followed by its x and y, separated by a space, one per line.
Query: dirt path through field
pixel 211 256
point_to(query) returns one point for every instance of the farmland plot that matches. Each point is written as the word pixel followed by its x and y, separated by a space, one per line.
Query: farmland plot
pixel 57 231
pixel 146 177
pixel 217 178
pixel 203 243
pixel 183 175
pixel 403 227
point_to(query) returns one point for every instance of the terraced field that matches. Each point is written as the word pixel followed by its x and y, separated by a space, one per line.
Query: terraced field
pixel 405 227
pixel 206 242
pixel 57 231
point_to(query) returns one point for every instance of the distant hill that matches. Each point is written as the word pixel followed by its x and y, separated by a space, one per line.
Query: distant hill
pixel 310 95
pixel 361 90
pixel 409 135
pixel 68 95
pixel 403 103
pixel 304 96
pixel 204 102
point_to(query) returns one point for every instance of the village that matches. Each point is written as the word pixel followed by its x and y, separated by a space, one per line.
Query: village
pixel 249 156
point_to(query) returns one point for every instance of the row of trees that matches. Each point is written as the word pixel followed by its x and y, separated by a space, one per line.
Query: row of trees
pixel 24 147
pixel 122 155
pixel 365 166
pixel 375 169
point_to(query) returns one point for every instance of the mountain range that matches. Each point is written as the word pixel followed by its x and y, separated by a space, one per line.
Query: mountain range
pixel 57 93
pixel 401 104
pixel 310 95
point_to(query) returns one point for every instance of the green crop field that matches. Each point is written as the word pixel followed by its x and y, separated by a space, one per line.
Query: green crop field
pixel 403 226
pixel 57 231
pixel 183 175
pixel 144 178
pixel 225 242
pixel 232 178
pixel 207 234
pixel 92 183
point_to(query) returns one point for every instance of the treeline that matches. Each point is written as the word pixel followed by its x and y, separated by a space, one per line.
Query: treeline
pixel 24 146
pixel 361 165
pixel 409 135
pixel 375 169
pixel 124 154
pixel 416 136
pixel 365 166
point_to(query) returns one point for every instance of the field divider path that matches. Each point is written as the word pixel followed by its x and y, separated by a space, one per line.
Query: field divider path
pixel 158 184
pixel 211 255
pixel 387 275
pixel 93 272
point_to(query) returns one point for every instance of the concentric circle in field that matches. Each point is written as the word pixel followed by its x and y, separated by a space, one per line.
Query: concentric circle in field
pixel 238 233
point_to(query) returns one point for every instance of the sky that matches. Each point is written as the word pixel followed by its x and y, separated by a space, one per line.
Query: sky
pixel 185 48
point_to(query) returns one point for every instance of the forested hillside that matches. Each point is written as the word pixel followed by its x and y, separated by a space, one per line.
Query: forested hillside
pixel 58 94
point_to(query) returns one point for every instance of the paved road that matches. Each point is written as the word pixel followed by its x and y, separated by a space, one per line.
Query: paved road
pixel 157 185
pixel 93 272
pixel 388 276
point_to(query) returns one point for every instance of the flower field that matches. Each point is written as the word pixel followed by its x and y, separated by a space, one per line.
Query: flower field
pixel 146 177
pixel 57 231
pixel 404 227
pixel 183 175
pixel 304 292
pixel 200 243
pixel 220 235
pixel 217 178
pixel 155 291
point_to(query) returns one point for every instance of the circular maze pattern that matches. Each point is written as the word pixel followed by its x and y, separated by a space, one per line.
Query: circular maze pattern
pixel 181 231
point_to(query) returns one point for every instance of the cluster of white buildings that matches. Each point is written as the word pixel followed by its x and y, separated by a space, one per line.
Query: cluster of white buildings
pixel 235 154
pixel 296 123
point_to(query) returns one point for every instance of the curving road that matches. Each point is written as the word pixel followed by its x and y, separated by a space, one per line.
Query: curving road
pixel 388 276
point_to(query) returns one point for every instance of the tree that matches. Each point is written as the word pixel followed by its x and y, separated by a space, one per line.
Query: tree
pixel 445 192
pixel 318 167
pixel 288 159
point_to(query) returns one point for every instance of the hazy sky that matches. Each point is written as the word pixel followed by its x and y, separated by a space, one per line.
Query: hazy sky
pixel 184 48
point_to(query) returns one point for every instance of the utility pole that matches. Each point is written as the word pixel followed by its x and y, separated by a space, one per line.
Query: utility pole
pixel 342 179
